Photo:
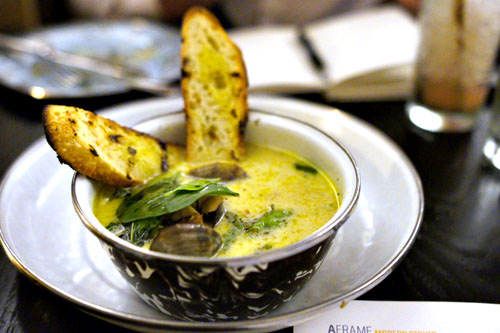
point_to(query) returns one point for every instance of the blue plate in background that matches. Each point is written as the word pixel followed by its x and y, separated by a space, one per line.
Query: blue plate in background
pixel 149 47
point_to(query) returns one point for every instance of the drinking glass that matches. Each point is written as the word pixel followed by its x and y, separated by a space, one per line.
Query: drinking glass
pixel 458 45
pixel 491 148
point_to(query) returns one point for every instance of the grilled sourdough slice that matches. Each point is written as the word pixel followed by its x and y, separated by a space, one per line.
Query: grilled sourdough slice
pixel 214 86
pixel 102 149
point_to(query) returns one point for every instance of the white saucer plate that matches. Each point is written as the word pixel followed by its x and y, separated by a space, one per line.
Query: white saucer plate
pixel 45 239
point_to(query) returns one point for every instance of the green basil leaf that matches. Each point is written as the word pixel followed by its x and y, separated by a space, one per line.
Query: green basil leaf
pixel 142 231
pixel 305 168
pixel 148 193
pixel 229 237
pixel 121 192
pixel 237 221
pixel 160 202
pixel 271 219
pixel 195 185
pixel 137 232
pixel 119 230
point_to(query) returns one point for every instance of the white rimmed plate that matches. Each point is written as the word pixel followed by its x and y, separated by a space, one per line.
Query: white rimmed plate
pixel 45 239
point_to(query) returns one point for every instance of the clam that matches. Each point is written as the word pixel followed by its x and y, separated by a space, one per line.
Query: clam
pixel 191 231
pixel 187 215
pixel 212 209
pixel 226 171
pixel 188 239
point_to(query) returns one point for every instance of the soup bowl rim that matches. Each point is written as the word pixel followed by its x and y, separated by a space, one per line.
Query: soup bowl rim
pixel 318 236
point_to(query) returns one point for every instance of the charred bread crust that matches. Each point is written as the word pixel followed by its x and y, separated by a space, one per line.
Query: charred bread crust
pixel 214 86
pixel 102 149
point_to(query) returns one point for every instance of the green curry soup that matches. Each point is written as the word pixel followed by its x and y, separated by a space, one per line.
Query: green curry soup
pixel 282 200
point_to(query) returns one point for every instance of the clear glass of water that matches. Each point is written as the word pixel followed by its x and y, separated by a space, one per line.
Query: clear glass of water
pixel 458 45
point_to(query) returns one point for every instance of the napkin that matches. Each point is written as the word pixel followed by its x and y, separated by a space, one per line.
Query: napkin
pixel 406 317
pixel 367 54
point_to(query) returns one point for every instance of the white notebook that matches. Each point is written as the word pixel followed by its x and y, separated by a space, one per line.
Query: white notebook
pixel 367 55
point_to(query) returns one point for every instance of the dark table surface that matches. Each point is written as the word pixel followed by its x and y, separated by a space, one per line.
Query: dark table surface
pixel 456 256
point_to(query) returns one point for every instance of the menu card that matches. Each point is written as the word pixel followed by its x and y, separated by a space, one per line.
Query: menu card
pixel 406 317
pixel 367 54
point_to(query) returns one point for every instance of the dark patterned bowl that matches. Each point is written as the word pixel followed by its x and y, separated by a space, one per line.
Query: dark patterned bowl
pixel 204 289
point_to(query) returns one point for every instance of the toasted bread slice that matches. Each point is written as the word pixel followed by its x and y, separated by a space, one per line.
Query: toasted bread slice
pixel 102 149
pixel 214 86
pixel 176 153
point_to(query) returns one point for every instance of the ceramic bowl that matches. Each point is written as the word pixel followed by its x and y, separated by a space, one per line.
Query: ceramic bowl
pixel 204 289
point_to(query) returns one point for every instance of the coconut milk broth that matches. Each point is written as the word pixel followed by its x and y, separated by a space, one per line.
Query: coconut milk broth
pixel 273 182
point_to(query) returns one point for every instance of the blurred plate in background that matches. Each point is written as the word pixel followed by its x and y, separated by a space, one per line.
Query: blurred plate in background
pixel 149 47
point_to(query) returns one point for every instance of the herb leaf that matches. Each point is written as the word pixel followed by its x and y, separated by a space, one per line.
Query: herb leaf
pixel 271 219
pixel 137 232
pixel 121 192
pixel 149 193
pixel 236 221
pixel 195 185
pixel 119 230
pixel 169 199
pixel 230 236
pixel 305 168
pixel 144 230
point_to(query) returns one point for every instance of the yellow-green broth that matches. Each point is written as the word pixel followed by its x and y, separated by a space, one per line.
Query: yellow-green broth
pixel 273 181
